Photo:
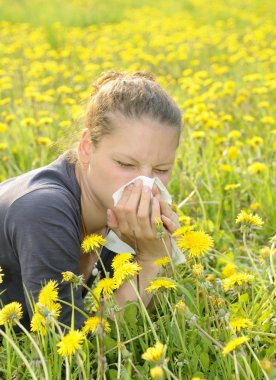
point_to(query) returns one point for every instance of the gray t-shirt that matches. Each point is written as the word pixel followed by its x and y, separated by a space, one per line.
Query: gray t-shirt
pixel 40 236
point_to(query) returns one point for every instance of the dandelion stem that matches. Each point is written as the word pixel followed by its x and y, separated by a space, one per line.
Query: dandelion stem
pixel 144 309
pixel 80 364
pixel 249 253
pixel 176 323
pixel 236 366
pixel 119 348
pixel 166 369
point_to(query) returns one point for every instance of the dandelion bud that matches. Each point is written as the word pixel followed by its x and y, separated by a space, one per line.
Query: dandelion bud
pixel 160 233
pixel 157 373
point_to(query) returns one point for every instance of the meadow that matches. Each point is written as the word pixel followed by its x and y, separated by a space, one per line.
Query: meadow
pixel 214 317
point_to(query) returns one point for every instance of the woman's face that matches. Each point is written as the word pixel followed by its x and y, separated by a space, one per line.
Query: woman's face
pixel 134 148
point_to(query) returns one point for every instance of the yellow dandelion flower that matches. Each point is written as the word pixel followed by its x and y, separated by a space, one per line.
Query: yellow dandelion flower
pixel 70 343
pixel 232 186
pixel 228 270
pixel 197 242
pixel 160 232
pixel 181 306
pixel 105 286
pixel 182 230
pixel 266 365
pixel 234 134
pixel 160 283
pixel 238 323
pixel 11 313
pixel 256 168
pixel 255 141
pixel 92 323
pixel 65 123
pixel 234 343
pixel 48 293
pixel 3 128
pixel 198 135
pixel 44 140
pixel 163 261
pixel 268 120
pixel 232 152
pixel 255 206
pixel 237 279
pixel 3 146
pixel 210 277
pixel 67 276
pixel 197 270
pixel 38 323
pixel 125 272
pixel 121 259
pixel 9 118
pixel 226 168
pixel 92 242
pixel 1 275
pixel 157 373
pixel 155 353
pixel 216 301
pixel 249 219
pixel 248 118
pixel 185 219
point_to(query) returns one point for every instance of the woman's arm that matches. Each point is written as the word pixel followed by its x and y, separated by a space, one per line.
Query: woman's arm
pixel 44 232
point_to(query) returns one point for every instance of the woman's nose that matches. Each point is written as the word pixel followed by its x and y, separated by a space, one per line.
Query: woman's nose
pixel 147 172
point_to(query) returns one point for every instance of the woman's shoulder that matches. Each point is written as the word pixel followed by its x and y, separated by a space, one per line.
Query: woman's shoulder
pixel 52 189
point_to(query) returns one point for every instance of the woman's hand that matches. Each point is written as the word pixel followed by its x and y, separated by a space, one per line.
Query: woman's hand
pixel 133 220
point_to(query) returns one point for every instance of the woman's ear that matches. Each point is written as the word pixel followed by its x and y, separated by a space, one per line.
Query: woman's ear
pixel 85 147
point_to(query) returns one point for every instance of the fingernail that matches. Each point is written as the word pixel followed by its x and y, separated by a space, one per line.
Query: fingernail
pixel 154 200
pixel 146 189
pixel 130 186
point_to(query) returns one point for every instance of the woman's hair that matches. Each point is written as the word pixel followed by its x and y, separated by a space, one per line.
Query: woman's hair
pixel 133 96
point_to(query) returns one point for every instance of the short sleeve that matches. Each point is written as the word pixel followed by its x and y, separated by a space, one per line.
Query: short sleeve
pixel 43 227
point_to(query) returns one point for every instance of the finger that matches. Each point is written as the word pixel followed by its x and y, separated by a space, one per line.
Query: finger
pixel 125 195
pixel 119 209
pixel 170 225
pixel 155 211
pixel 126 211
pixel 112 222
pixel 155 190
pixel 144 209
pixel 132 205
pixel 168 212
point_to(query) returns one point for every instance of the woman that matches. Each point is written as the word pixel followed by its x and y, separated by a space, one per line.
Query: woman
pixel 132 128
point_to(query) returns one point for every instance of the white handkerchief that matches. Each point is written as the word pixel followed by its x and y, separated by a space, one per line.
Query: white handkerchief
pixel 164 194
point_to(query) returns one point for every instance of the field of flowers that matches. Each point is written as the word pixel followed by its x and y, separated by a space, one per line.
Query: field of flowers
pixel 214 317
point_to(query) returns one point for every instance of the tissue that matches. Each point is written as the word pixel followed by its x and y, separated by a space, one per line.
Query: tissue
pixel 164 194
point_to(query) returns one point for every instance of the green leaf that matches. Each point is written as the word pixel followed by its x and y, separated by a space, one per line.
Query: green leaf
pixel 204 360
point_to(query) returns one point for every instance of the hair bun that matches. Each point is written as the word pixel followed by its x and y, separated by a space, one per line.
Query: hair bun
pixel 113 75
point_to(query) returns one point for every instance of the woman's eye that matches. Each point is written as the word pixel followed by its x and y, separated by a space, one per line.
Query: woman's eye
pixel 161 171
pixel 124 164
